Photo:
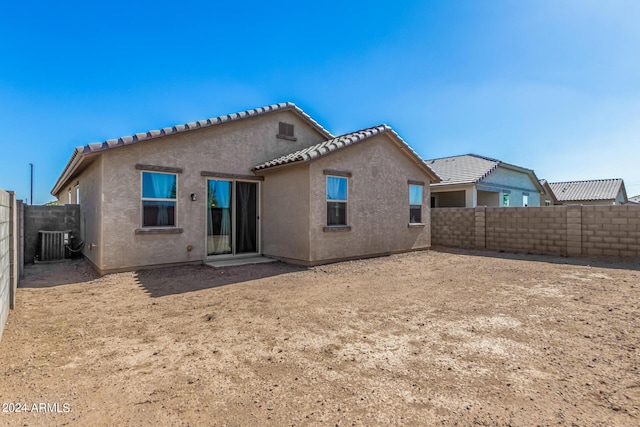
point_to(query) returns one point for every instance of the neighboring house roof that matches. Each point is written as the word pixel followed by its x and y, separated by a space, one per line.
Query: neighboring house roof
pixel 98 147
pixel 468 168
pixel 635 199
pixel 598 189
pixel 472 168
pixel 318 150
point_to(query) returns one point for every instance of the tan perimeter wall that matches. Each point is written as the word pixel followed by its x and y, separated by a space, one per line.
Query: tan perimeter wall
pixel 572 230
pixel 8 255
pixel 453 227
pixel 539 230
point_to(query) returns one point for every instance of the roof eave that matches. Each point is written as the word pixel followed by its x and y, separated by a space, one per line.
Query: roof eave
pixel 530 172
pixel 434 178
pixel 624 192
pixel 382 129
pixel 269 169
pixel 73 163
pixel 442 184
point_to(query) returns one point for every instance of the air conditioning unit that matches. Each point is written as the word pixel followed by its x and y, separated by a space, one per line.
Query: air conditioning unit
pixel 52 245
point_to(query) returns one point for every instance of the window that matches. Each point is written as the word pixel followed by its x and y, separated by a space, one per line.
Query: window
pixel 415 204
pixel 547 202
pixel 77 194
pixel 159 199
pixel 285 131
pixel 69 199
pixel 336 201
pixel 525 199
pixel 505 199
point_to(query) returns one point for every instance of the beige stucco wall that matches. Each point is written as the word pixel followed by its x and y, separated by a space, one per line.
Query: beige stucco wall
pixel 487 198
pixel 457 196
pixel 378 202
pixel 285 214
pixel 233 147
pixel 89 181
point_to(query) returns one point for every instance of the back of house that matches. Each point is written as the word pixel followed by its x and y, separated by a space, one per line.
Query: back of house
pixel 269 181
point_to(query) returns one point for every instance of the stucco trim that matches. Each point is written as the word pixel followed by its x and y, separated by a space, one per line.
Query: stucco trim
pixel 154 168
pixel 335 172
pixel 287 137
pixel 414 182
pixel 416 225
pixel 231 176
pixel 176 230
pixel 336 228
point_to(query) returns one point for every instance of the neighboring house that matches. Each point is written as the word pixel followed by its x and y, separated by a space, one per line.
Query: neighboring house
pixel 269 181
pixel 547 198
pixel 634 199
pixel 471 180
pixel 592 192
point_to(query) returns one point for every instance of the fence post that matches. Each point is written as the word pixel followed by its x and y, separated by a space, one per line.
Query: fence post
pixel 480 227
pixel 574 230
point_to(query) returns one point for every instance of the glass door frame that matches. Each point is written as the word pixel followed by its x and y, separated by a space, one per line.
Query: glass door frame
pixel 233 253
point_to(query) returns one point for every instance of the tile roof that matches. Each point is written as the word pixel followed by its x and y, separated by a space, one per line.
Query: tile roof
pixel 598 189
pixel 464 169
pixel 143 136
pixel 331 145
pixel 97 147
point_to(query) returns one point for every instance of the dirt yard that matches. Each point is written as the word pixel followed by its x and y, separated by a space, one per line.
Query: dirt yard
pixel 429 338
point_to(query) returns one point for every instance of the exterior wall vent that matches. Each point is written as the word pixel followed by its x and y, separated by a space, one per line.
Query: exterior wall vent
pixel 285 131
pixel 52 245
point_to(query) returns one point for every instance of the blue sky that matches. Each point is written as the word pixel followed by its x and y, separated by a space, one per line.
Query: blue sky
pixel 550 85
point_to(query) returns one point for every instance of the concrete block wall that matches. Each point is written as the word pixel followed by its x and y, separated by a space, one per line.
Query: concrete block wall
pixel 611 230
pixel 453 227
pixel 7 201
pixel 571 230
pixel 48 218
pixel 540 230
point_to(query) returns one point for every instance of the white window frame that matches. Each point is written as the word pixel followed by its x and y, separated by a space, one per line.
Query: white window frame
pixel 413 204
pixel 77 188
pixel 346 201
pixel 506 197
pixel 152 199
pixel 69 198
pixel 525 199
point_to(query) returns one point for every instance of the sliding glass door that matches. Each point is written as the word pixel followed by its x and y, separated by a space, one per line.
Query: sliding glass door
pixel 232 217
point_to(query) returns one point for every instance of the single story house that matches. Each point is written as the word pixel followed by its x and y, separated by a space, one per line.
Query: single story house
pixel 269 181
pixel 471 180
pixel 591 192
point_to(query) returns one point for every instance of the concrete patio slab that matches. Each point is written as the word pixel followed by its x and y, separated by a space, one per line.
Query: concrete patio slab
pixel 232 262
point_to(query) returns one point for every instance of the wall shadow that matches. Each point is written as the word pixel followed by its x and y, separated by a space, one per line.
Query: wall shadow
pixel 48 275
pixel 583 261
pixel 165 281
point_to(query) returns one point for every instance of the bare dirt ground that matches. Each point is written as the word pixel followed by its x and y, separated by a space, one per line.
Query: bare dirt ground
pixel 428 338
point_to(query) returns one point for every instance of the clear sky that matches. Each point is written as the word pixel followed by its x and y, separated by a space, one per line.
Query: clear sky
pixel 552 85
